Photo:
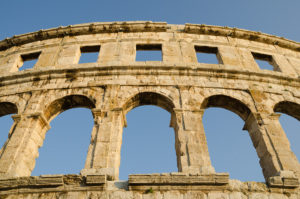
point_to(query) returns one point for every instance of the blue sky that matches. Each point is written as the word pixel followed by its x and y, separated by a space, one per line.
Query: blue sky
pixel 148 142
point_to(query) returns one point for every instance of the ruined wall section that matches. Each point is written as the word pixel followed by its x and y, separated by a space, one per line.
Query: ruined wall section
pixel 179 83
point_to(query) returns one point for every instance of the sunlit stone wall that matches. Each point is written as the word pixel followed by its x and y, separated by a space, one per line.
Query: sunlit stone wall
pixel 179 83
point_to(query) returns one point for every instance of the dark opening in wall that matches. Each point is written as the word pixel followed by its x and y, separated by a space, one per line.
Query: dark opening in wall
pixel 265 62
pixel 148 52
pixel 28 60
pixel 89 54
pixel 148 144
pixel 207 54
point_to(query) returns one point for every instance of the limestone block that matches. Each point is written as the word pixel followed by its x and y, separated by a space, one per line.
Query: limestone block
pixel 284 65
pixel 171 52
pixel 109 53
pixel 188 52
pixel 126 52
pixel 295 62
pixel 47 57
pixel 68 55
pixel 10 63
pixel 228 56
pixel 247 60
pixel 95 179
pixel 217 195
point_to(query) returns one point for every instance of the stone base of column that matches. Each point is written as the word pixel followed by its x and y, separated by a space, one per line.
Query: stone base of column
pixel 203 170
pixel 284 179
pixel 111 173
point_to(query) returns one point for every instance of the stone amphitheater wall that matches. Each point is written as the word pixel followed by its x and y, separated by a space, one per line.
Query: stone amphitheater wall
pixel 117 83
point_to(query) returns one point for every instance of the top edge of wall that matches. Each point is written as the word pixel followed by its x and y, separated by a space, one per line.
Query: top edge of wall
pixel 146 26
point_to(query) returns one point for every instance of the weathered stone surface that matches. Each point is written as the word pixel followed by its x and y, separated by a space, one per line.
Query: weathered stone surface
pixel 95 179
pixel 179 83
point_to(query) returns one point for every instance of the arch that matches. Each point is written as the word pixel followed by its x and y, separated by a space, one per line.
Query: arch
pixel 229 103
pixel 149 98
pixel 156 99
pixel 7 108
pixel 67 102
pixel 239 108
pixel 289 108
pixel 289 128
pixel 62 104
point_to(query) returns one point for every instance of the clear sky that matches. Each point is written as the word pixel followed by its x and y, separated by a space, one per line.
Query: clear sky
pixel 148 142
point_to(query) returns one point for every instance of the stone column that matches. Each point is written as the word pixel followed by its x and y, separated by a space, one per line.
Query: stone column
pixel 21 150
pixel 272 145
pixel 191 146
pixel 105 148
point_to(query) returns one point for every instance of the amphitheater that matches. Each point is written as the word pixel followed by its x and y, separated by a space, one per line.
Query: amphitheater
pixel 179 83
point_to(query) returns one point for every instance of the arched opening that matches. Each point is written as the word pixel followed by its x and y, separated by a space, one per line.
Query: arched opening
pixel 6 122
pixel 66 143
pixel 148 144
pixel 289 120
pixel 66 103
pixel 230 148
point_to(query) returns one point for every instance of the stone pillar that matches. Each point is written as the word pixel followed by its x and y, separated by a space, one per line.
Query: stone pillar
pixel 70 54
pixel 188 52
pixel 47 57
pixel 247 59
pixel 127 52
pixel 284 65
pixel 171 52
pixel 228 56
pixel 10 63
pixel 191 146
pixel 272 145
pixel 21 150
pixel 105 148
pixel 109 53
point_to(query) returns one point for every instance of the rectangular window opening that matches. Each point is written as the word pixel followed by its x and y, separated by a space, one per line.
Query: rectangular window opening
pixel 265 62
pixel 28 60
pixel 89 54
pixel 208 55
pixel 148 52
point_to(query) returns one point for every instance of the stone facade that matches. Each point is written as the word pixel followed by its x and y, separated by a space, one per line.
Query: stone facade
pixel 117 83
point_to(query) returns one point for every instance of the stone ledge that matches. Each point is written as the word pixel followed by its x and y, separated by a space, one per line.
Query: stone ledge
pixel 95 179
pixel 166 69
pixel 33 181
pixel 52 181
pixel 283 182
pixel 178 181
pixel 84 29
pixel 145 26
